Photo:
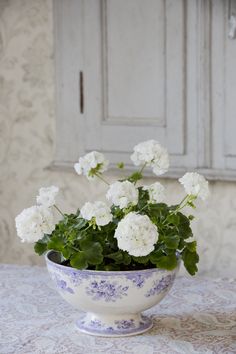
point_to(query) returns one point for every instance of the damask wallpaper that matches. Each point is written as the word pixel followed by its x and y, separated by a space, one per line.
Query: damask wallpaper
pixel 27 135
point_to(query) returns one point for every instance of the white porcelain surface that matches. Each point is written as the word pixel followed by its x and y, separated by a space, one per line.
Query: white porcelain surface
pixel 112 301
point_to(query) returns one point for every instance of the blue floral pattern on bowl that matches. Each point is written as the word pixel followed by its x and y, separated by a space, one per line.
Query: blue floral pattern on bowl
pixel 125 324
pixel 75 277
pixel 160 286
pixel 118 327
pixel 138 279
pixel 106 290
pixel 61 284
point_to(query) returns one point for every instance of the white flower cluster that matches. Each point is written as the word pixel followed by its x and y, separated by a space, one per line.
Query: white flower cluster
pixel 34 222
pixel 136 234
pixel 152 154
pixel 47 196
pixel 195 184
pixel 156 192
pixel 90 164
pixel 98 210
pixel 122 194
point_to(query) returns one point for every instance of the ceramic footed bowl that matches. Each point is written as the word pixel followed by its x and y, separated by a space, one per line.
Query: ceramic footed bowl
pixel 112 301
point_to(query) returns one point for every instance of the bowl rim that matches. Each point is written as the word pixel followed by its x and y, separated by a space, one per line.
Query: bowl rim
pixel 108 272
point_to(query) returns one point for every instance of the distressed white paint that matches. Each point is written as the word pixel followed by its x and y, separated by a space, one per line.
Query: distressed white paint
pixel 223 90
pixel 69 44
pixel 134 60
pixel 127 127
pixel 138 62
pixel 152 69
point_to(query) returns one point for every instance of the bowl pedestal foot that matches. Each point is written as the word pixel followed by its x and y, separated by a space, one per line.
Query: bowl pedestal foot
pixel 113 325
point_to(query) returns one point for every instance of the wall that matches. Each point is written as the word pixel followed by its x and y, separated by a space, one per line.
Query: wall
pixel 27 134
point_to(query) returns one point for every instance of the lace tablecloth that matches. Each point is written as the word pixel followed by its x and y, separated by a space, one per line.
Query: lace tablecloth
pixel 197 316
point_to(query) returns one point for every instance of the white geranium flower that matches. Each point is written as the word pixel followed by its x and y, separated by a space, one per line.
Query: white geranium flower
pixel 34 222
pixel 98 210
pixel 122 194
pixel 156 192
pixel 152 154
pixel 195 184
pixel 136 234
pixel 47 196
pixel 90 164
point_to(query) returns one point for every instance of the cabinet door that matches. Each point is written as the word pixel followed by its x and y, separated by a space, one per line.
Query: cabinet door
pixel 139 68
pixel 223 91
pixel 135 76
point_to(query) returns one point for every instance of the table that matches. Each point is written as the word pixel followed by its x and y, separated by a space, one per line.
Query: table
pixel 197 316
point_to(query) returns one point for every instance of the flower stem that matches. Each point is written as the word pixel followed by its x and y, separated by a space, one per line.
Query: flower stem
pixel 59 211
pixel 144 207
pixel 74 248
pixel 182 204
pixel 140 173
pixel 143 167
pixel 101 178
pixel 87 228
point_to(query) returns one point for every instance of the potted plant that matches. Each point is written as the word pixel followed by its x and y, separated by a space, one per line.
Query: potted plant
pixel 114 260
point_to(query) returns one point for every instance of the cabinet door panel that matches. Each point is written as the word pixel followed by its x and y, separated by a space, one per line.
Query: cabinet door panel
pixel 139 68
pixel 135 74
pixel 223 90
pixel 134 60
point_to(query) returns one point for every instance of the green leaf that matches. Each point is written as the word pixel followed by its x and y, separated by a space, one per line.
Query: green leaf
pixel 190 261
pixel 92 251
pixel 143 199
pixel 40 247
pixel 155 256
pixel 67 252
pixel 112 267
pixel 172 241
pixel 191 246
pixel 135 177
pixel 173 219
pixel 126 259
pixel 184 228
pixel 181 244
pixel 167 262
pixel 191 217
pixel 120 165
pixel 116 256
pixel 158 212
pixel 79 261
pixel 56 243
pixel 100 266
pixel 143 259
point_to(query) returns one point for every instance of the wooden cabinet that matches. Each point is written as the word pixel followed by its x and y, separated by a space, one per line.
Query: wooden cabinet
pixel 132 70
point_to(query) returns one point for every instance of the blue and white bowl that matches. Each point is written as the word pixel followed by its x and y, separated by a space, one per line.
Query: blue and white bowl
pixel 112 300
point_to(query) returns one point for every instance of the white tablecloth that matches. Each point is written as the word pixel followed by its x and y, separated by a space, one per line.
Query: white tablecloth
pixel 198 316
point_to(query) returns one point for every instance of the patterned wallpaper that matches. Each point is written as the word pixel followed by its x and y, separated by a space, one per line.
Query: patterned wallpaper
pixel 27 125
